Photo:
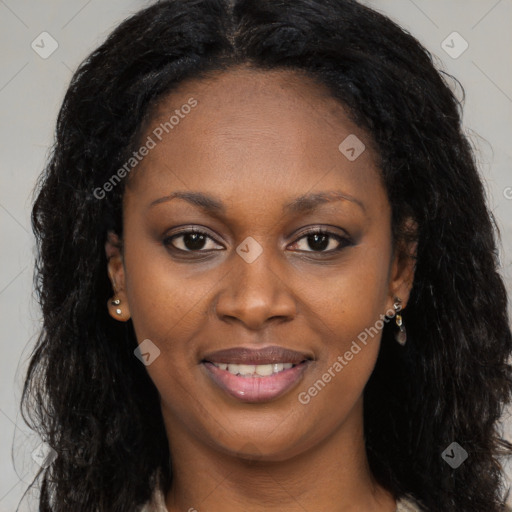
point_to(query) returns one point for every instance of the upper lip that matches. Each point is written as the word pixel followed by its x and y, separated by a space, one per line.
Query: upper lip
pixel 267 355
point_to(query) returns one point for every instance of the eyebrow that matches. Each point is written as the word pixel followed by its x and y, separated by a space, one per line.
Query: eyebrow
pixel 309 202
pixel 302 204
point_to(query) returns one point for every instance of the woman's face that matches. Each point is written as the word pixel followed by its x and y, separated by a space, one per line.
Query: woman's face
pixel 253 144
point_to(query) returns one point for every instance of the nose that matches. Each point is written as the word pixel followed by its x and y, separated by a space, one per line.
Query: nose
pixel 256 292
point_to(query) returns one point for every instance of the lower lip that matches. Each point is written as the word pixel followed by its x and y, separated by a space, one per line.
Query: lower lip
pixel 256 389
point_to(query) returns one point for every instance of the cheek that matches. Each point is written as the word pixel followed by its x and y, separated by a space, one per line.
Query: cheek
pixel 354 295
pixel 351 342
pixel 350 346
pixel 163 296
pixel 348 316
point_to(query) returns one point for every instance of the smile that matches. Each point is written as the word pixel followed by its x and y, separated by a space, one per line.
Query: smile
pixel 254 370
pixel 256 383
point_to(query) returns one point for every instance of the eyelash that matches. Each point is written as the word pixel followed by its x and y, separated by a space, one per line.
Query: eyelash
pixel 343 241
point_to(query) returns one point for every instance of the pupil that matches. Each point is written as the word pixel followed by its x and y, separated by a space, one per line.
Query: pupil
pixel 195 241
pixel 315 244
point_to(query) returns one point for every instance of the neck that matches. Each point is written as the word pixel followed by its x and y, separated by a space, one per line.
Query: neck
pixel 332 475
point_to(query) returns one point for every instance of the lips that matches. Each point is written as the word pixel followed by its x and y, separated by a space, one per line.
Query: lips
pixel 268 355
pixel 256 375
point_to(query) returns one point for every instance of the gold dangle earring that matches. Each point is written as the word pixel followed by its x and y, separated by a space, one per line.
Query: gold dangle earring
pixel 401 334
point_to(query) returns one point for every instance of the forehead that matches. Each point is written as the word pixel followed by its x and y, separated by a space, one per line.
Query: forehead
pixel 252 132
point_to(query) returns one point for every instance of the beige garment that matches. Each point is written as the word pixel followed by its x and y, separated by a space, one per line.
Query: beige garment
pixel 157 504
pixel 404 505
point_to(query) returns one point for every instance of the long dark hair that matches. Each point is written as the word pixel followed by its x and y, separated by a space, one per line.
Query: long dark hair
pixel 90 398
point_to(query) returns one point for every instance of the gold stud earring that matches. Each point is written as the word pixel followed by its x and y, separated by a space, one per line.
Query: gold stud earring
pixel 401 334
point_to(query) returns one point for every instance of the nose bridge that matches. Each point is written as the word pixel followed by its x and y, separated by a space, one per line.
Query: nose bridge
pixel 255 268
pixel 255 291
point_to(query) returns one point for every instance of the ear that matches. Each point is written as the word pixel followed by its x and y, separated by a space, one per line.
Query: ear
pixel 403 267
pixel 117 305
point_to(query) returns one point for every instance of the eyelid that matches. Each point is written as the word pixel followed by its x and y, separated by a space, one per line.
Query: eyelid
pixel 323 230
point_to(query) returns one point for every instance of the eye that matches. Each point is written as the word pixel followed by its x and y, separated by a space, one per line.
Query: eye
pixel 319 240
pixel 191 240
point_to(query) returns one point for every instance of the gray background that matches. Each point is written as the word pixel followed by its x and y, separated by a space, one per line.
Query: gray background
pixel 32 88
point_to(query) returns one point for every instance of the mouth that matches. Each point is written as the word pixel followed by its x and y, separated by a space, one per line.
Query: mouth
pixel 256 375
pixel 255 370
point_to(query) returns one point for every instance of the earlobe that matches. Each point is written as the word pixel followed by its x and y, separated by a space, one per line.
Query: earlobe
pixel 117 309
pixel 118 304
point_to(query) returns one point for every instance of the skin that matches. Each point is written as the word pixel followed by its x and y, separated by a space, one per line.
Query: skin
pixel 257 140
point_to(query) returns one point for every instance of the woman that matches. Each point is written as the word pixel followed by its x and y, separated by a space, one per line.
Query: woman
pixel 267 271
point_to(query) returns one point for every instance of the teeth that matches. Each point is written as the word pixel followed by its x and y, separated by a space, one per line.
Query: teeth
pixel 243 369
pixel 265 370
pixel 259 370
pixel 278 367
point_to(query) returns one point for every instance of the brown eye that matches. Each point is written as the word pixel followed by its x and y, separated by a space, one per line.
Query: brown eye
pixel 319 241
pixel 189 241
